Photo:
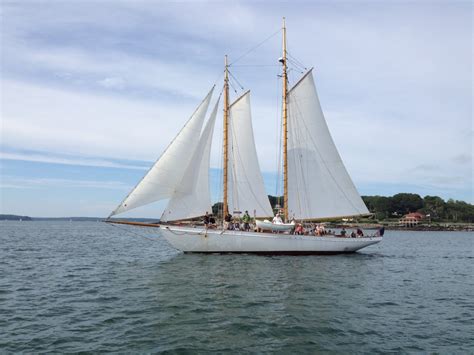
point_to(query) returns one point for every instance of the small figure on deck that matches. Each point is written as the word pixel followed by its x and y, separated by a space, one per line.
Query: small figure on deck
pixel 277 219
pixel 343 232
pixel 246 219
pixel 353 234
pixel 322 230
pixel 206 219
pixel 212 222
pixel 299 230
pixel 228 221
pixel 359 233
pixel 380 232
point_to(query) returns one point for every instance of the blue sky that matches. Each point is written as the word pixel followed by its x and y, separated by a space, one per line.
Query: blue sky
pixel 93 91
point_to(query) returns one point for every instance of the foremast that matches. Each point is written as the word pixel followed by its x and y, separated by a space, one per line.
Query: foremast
pixel 225 210
pixel 285 125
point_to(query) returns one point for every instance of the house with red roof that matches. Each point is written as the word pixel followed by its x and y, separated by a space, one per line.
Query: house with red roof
pixel 412 219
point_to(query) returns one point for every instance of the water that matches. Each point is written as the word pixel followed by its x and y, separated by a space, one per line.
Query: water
pixel 79 286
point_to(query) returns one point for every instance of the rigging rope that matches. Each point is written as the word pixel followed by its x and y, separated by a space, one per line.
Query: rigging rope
pixel 132 232
pixel 295 60
pixel 256 65
pixel 233 77
pixel 255 47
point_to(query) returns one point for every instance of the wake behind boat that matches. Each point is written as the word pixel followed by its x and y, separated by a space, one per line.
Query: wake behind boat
pixel 316 185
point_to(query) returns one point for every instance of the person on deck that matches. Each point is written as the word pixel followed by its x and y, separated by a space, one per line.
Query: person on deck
pixel 227 222
pixel 206 220
pixel 299 230
pixel 359 233
pixel 380 232
pixel 277 219
pixel 319 230
pixel 212 222
pixel 246 219
pixel 343 232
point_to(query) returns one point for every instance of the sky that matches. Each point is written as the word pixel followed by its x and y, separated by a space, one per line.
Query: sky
pixel 92 92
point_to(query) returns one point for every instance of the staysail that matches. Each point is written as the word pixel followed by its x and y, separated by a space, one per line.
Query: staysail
pixel 161 180
pixel 318 183
pixel 191 197
pixel 246 187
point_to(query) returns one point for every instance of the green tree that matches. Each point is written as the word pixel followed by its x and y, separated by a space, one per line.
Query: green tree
pixel 459 211
pixel 217 209
pixel 275 200
pixel 405 203
pixel 382 206
pixel 434 206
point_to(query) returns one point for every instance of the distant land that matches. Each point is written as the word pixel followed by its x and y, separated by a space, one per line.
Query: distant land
pixel 13 217
pixel 384 209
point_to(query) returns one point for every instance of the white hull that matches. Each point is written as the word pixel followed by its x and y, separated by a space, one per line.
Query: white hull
pixel 196 240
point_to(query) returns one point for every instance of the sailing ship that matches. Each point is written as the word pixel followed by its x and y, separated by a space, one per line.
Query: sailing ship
pixel 316 185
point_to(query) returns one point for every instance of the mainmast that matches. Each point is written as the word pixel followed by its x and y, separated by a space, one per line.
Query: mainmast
pixel 225 210
pixel 285 125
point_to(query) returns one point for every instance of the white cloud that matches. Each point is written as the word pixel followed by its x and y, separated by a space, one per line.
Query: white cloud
pixel 395 80
pixel 77 161
pixel 113 83
pixel 16 182
pixel 41 118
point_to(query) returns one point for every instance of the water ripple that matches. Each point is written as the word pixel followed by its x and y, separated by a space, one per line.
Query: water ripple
pixel 73 287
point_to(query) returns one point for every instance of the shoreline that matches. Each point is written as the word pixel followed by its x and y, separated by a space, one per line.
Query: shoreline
pixel 419 228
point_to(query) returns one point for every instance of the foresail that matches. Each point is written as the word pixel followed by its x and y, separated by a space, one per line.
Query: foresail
pixel 318 183
pixel 246 187
pixel 161 180
pixel 191 197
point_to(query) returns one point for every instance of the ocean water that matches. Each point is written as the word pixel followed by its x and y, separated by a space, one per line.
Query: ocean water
pixel 86 286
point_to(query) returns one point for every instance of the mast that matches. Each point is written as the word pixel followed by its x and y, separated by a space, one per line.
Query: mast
pixel 225 210
pixel 285 125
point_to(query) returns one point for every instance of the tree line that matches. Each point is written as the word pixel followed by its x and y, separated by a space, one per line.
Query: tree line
pixel 403 203
pixel 385 207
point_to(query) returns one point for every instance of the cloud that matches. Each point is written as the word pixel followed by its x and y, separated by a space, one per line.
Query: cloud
pixel 17 182
pixel 463 159
pixel 47 119
pixel 81 161
pixel 106 82
pixel 113 83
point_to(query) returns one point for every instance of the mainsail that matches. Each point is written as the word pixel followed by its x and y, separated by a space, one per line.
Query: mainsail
pixel 247 190
pixel 161 180
pixel 318 183
pixel 191 197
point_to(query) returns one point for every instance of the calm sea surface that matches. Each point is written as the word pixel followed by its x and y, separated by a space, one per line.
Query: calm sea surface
pixel 86 286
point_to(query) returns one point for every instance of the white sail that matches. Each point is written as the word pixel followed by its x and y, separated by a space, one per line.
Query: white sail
pixel 246 187
pixel 191 197
pixel 318 183
pixel 161 180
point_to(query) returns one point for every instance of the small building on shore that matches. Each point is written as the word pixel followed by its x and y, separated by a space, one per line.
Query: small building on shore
pixel 412 219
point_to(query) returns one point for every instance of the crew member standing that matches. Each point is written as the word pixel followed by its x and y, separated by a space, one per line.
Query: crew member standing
pixel 246 219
